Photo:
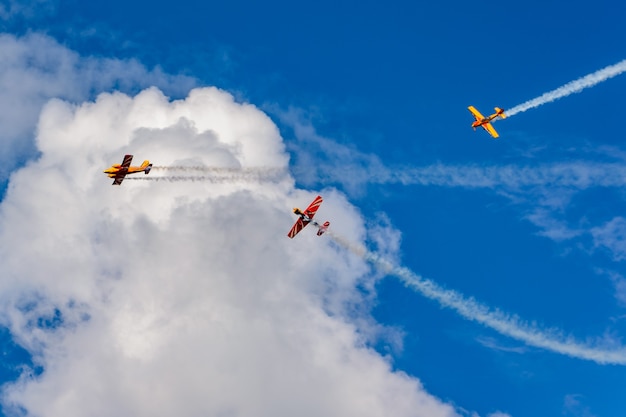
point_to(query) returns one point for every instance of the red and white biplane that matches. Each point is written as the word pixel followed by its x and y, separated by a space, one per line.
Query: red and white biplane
pixel 306 217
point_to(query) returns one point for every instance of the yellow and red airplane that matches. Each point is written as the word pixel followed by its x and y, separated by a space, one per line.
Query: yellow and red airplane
pixel 485 121
pixel 306 217
pixel 119 171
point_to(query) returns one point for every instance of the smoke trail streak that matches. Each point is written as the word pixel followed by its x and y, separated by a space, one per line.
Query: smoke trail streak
pixel 223 179
pixel 218 170
pixel 572 87
pixel 218 175
pixel 575 175
pixel 506 324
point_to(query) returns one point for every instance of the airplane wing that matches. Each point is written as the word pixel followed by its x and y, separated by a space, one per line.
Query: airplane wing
pixel 124 169
pixel 127 160
pixel 299 225
pixel 312 209
pixel 476 113
pixel 118 179
pixel 491 130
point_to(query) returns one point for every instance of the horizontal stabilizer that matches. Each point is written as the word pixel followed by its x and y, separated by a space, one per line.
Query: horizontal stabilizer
pixel 323 228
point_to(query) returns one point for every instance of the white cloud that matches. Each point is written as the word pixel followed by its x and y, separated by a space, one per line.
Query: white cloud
pixel 340 164
pixel 620 289
pixel 612 236
pixel 551 227
pixel 11 9
pixel 492 343
pixel 35 68
pixel 184 298
pixel 573 406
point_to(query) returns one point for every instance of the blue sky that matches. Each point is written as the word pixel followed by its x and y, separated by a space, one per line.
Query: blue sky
pixel 360 90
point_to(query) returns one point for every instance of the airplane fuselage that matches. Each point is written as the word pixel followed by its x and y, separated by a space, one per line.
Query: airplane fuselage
pixel 484 121
pixel 303 216
pixel 116 170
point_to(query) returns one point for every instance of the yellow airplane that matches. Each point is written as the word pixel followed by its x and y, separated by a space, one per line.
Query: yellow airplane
pixel 119 171
pixel 485 121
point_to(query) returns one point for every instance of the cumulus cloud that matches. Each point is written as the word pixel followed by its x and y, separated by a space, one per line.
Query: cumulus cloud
pixel 161 299
pixel 35 68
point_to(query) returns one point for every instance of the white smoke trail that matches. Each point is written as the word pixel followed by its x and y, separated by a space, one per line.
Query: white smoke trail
pixel 217 175
pixel 263 171
pixel 225 179
pixel 196 178
pixel 506 324
pixel 576 175
pixel 572 87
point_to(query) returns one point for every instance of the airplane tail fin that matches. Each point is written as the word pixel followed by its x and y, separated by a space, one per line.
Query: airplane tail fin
pixel 500 112
pixel 323 228
pixel 147 166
